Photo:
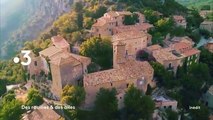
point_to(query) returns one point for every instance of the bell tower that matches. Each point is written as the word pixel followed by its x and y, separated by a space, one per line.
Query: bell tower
pixel 119 54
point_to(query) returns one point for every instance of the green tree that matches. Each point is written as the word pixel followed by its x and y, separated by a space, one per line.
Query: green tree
pixel 138 106
pixel 34 98
pixel 207 58
pixel 106 104
pixel 8 98
pixel 88 22
pixel 99 50
pixel 76 37
pixel 194 19
pixel 99 12
pixel 2 87
pixel 192 82
pixel 151 16
pixel 200 114
pixel 131 19
pixel 171 115
pixel 165 77
pixel 11 110
pixel 66 23
pixel 73 95
pixel 142 55
pixel 164 25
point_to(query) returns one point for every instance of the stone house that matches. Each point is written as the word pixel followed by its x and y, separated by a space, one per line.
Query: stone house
pixel 175 53
pixel 180 20
pixel 105 25
pixel 44 113
pixel 164 102
pixel 134 41
pixel 207 25
pixel 204 13
pixel 208 97
pixel 127 71
pixel 209 46
pixel 64 67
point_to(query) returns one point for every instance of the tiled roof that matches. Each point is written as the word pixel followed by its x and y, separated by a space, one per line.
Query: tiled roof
pixel 210 42
pixel 207 22
pixel 101 22
pixel 178 17
pixel 43 114
pixel 64 58
pixel 184 39
pixel 163 55
pixel 181 46
pixel 153 48
pixel 136 27
pixel 191 52
pixel 127 70
pixel 128 35
pixel 104 19
pixel 211 90
pixel 59 42
pixel 82 59
pixel 185 49
pixel 50 51
pixel 117 13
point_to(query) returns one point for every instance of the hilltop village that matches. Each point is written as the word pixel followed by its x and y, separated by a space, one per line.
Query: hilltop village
pixel 123 70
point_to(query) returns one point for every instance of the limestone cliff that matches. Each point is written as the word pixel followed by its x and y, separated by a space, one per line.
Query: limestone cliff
pixel 36 16
pixel 41 14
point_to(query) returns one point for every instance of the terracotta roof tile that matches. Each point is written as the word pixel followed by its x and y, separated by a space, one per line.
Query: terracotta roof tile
pixel 43 114
pixel 50 51
pixel 191 52
pixel 178 17
pixel 153 48
pixel 164 55
pixel 128 35
pixel 64 58
pixel 127 70
pixel 59 42
pixel 136 27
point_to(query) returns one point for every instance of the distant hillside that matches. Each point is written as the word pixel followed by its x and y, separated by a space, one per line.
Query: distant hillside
pixel 23 20
pixel 196 3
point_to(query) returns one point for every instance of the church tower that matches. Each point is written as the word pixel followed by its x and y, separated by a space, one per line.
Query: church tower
pixel 119 54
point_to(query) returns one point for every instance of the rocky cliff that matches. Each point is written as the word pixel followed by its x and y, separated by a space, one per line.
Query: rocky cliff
pixel 38 15
pixel 41 14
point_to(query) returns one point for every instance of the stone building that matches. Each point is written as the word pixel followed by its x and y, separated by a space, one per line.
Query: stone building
pixel 44 113
pixel 134 41
pixel 164 102
pixel 175 52
pixel 209 46
pixel 208 97
pixel 127 71
pixel 204 13
pixel 65 67
pixel 107 24
pixel 180 20
pixel 207 25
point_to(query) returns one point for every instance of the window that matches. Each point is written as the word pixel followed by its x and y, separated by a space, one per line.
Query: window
pixel 120 97
pixel 35 63
pixel 170 65
pixel 111 84
pixel 170 107
pixel 127 85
